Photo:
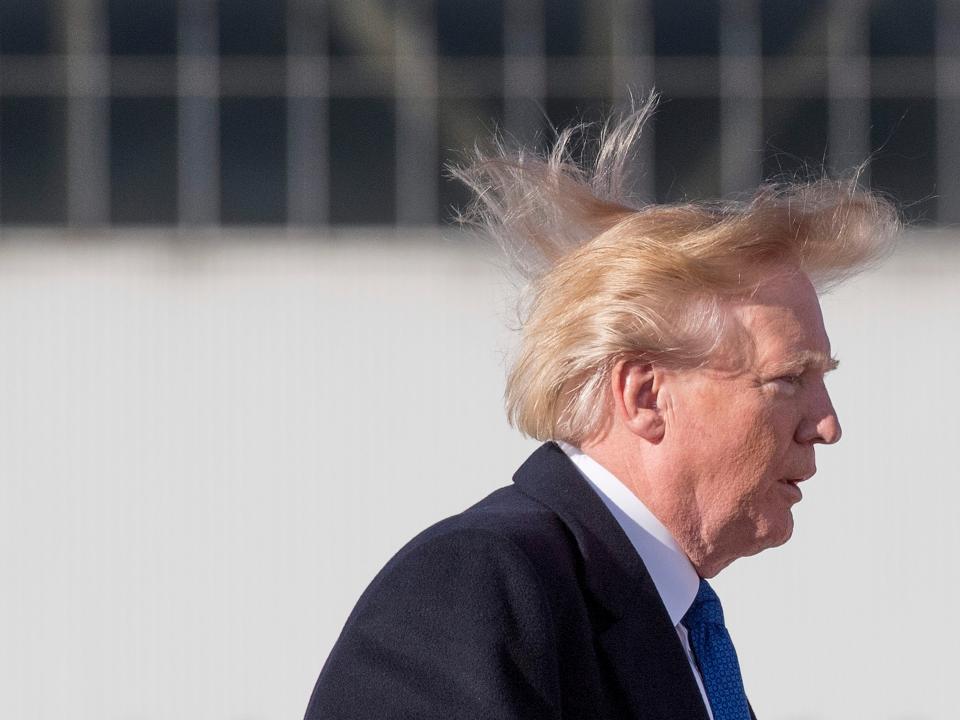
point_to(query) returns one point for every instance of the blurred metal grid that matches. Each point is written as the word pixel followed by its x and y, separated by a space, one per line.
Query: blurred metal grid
pixel 307 87
pixel 848 83
pixel 198 92
pixel 88 171
pixel 402 65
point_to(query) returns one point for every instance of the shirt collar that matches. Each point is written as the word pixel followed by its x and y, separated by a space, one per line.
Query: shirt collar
pixel 671 571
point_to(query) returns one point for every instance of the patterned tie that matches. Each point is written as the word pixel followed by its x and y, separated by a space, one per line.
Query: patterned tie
pixel 716 657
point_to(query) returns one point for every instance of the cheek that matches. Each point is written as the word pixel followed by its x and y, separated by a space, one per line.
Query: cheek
pixel 741 457
pixel 731 440
pixel 744 434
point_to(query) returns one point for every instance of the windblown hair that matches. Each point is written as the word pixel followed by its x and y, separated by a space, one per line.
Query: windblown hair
pixel 610 280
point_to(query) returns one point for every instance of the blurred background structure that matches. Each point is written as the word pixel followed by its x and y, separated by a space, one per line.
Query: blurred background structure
pixel 244 357
pixel 314 114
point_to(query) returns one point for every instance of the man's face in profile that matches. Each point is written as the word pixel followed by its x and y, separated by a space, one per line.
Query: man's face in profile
pixel 742 440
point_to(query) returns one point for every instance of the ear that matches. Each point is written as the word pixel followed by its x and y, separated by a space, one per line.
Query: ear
pixel 634 387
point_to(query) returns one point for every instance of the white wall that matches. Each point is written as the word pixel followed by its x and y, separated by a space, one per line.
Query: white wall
pixel 206 452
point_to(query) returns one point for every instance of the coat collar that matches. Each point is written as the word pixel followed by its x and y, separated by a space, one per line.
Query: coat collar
pixel 635 631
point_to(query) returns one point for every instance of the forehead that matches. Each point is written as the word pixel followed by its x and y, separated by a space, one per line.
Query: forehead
pixel 783 322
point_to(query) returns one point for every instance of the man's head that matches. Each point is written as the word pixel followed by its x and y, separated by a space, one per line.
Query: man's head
pixel 718 451
pixel 682 346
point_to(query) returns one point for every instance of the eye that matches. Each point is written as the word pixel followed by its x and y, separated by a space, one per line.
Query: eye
pixel 790 379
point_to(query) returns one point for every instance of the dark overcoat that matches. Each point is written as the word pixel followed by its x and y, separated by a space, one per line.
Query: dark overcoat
pixel 530 605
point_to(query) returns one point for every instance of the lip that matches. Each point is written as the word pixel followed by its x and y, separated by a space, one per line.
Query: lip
pixel 791 485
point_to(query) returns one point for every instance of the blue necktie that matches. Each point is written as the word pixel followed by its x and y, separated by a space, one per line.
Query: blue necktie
pixel 716 657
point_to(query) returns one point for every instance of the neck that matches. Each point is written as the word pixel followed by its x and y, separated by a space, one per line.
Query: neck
pixel 658 491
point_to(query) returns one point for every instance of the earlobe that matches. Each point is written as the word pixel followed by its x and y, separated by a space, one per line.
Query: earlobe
pixel 635 391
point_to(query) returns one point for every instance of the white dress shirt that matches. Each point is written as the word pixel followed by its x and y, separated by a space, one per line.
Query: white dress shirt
pixel 671 571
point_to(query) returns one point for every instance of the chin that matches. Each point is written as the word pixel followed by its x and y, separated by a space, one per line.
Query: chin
pixel 778 533
pixel 773 533
pixel 770 532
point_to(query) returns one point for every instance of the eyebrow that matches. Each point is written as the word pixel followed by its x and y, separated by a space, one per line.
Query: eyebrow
pixel 804 360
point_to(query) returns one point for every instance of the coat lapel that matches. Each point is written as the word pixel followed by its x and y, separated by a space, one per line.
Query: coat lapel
pixel 634 629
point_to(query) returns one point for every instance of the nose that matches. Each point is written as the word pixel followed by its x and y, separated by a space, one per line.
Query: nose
pixel 821 424
pixel 828 429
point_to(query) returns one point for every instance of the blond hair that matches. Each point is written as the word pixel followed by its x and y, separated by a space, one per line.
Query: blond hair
pixel 609 280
